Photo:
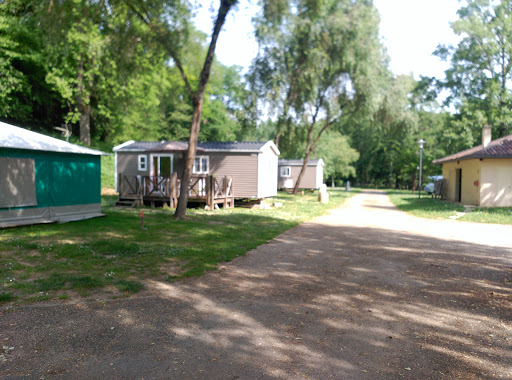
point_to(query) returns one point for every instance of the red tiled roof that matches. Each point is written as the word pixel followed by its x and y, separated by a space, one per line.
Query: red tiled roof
pixel 500 148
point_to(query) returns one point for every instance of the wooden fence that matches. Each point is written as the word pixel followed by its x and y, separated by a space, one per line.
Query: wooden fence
pixel 206 189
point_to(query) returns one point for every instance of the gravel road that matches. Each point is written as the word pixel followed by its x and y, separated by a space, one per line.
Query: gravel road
pixel 365 292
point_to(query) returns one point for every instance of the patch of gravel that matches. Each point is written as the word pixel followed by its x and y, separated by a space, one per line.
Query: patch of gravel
pixel 364 292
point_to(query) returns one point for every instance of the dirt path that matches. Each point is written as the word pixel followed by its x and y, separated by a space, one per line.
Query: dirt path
pixel 365 292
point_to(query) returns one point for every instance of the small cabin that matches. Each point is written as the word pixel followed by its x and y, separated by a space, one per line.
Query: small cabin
pixel 46 180
pixel 248 167
pixel 480 176
pixel 289 173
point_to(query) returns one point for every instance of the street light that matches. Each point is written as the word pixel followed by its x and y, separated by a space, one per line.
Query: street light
pixel 420 143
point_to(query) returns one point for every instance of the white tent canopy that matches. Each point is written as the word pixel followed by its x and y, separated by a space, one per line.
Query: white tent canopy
pixel 20 138
pixel 46 180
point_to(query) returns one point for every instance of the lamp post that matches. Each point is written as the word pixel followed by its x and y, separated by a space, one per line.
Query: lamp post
pixel 420 143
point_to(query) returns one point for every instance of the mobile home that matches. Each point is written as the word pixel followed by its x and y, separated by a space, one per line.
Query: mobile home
pixel 289 174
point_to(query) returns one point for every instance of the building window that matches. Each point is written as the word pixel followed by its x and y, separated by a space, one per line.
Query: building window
pixel 200 165
pixel 143 163
pixel 286 171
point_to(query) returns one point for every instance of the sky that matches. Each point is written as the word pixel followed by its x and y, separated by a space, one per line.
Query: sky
pixel 410 30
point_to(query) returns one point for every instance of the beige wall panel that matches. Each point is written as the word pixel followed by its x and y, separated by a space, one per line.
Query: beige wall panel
pixel 496 183
pixel 449 185
pixel 128 164
pixel 242 166
pixel 309 179
pixel 17 182
pixel 470 194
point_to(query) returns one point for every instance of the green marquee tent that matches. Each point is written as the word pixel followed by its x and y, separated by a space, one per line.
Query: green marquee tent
pixel 46 180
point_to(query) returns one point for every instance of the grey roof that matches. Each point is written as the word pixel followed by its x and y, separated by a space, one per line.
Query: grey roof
pixel 500 148
pixel 20 138
pixel 233 145
pixel 175 146
pixel 217 146
pixel 296 162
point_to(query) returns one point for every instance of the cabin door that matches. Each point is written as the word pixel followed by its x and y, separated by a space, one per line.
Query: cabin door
pixel 458 185
pixel 161 165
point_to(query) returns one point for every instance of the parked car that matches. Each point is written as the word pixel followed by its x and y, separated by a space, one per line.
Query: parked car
pixel 429 187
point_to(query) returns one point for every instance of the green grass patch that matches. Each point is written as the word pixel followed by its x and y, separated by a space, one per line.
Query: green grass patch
pixel 107 170
pixel 59 260
pixel 497 215
pixel 7 297
pixel 426 207
pixel 129 286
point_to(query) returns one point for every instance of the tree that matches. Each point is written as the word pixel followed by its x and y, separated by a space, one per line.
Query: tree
pixel 311 67
pixel 25 97
pixel 71 62
pixel 168 23
pixel 75 64
pixel 337 154
pixel 383 127
pixel 480 76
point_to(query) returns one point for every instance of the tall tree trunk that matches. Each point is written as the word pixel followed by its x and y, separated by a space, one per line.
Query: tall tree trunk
pixel 311 145
pixel 302 171
pixel 85 124
pixel 181 208
pixel 276 140
pixel 197 99
pixel 84 106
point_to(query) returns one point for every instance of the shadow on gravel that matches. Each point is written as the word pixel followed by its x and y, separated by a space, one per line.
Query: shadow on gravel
pixel 332 302
pixel 392 208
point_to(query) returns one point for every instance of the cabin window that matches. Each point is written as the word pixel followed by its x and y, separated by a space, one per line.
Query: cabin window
pixel 18 184
pixel 143 162
pixel 286 171
pixel 201 164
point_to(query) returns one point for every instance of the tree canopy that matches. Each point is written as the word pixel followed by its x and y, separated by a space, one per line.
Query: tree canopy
pixel 320 87
pixel 480 76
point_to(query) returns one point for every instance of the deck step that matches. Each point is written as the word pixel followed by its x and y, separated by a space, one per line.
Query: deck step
pixel 126 203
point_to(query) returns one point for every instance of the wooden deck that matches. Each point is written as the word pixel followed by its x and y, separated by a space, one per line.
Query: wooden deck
pixel 153 190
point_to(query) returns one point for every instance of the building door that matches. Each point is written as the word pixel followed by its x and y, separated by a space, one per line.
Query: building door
pixel 458 185
pixel 161 165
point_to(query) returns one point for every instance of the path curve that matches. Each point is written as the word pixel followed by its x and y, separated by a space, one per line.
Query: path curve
pixel 364 292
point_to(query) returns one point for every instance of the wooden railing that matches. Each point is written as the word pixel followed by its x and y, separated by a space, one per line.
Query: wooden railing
pixel 208 188
pixel 219 190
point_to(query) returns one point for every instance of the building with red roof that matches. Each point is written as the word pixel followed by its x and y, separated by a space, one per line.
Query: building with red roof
pixel 482 175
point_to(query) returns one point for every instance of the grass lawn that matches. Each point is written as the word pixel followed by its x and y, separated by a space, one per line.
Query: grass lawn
pixel 426 207
pixel 112 255
pixel 107 170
